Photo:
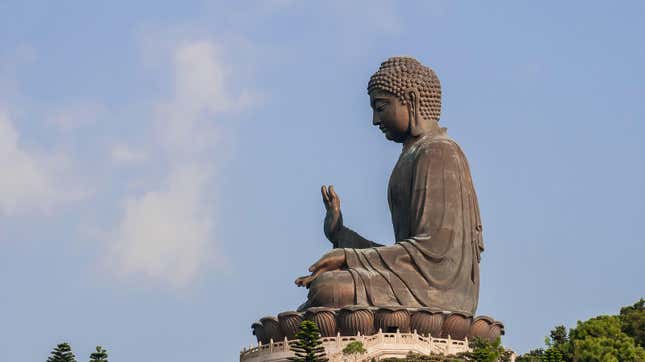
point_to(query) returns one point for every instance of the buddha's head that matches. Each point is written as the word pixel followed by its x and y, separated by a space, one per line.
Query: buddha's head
pixel 405 97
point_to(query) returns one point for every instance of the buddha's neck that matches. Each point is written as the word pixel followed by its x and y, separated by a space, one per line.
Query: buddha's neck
pixel 429 129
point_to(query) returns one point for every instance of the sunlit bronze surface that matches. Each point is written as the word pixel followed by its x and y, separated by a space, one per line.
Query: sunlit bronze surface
pixel 434 261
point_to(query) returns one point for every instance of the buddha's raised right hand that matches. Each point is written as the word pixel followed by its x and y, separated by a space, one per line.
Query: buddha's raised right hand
pixel 333 218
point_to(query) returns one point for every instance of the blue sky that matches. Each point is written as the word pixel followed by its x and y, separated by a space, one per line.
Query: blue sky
pixel 162 161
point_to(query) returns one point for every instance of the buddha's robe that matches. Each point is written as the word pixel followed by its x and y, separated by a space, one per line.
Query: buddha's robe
pixel 435 260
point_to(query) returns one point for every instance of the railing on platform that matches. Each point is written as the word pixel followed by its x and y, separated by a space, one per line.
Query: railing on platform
pixel 334 345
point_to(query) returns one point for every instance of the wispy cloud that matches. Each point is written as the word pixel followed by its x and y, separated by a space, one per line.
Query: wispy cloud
pixel 166 233
pixel 32 181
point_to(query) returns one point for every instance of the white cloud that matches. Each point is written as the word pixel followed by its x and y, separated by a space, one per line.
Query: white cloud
pixel 31 181
pixel 199 78
pixel 202 89
pixel 166 233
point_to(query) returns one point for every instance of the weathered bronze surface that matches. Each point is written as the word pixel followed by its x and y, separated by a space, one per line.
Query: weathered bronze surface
pixel 289 323
pixel 355 319
pixel 427 321
pixel 434 261
pixel 364 320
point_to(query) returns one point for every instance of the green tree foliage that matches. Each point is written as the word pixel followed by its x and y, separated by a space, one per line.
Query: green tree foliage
pixel 484 351
pixel 559 347
pixel 100 355
pixel 559 335
pixel 308 346
pixel 552 355
pixel 534 355
pixel 415 357
pixel 354 347
pixel 632 319
pixel 601 339
pixel 62 353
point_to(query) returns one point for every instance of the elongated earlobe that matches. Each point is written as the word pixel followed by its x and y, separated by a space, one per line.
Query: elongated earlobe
pixel 416 124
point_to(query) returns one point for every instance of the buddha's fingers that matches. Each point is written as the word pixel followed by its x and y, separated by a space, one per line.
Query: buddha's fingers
pixel 332 193
pixel 313 277
pixel 305 281
pixel 325 196
pixel 301 281
pixel 335 200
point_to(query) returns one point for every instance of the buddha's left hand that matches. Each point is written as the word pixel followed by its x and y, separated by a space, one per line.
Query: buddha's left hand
pixel 333 260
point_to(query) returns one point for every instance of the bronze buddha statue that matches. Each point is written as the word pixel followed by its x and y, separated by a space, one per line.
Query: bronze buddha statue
pixel 434 261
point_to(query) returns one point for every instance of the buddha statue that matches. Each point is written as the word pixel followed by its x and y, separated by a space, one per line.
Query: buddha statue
pixel 434 260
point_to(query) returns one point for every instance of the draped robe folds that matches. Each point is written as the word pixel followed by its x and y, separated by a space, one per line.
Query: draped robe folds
pixel 435 260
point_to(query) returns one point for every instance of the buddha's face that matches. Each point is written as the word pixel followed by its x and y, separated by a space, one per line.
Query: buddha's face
pixel 390 115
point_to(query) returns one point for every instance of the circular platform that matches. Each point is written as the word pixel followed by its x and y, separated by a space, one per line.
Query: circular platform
pixel 379 346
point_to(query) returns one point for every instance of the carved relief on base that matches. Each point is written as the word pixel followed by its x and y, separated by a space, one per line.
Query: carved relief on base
pixel 427 321
pixel 392 319
pixel 325 319
pixel 272 328
pixel 354 320
pixel 364 320
pixel 289 323
pixel 456 325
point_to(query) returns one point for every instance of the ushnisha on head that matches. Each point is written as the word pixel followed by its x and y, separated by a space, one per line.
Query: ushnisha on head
pixel 417 91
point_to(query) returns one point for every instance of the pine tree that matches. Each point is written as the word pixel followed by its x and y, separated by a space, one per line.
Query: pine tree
pixel 552 355
pixel 559 346
pixel 100 355
pixel 62 353
pixel 559 335
pixel 308 346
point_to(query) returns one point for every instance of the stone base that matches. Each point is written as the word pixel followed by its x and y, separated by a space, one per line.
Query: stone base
pixel 379 346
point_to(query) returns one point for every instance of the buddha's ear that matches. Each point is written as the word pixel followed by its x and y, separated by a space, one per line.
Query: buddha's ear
pixel 416 123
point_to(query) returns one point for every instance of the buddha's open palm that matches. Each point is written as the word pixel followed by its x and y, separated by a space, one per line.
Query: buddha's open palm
pixel 333 218
pixel 333 260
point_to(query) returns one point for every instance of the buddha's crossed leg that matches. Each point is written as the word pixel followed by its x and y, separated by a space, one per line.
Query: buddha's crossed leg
pixel 333 289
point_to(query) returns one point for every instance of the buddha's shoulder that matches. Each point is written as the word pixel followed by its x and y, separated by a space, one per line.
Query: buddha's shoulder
pixel 436 153
pixel 430 150
pixel 438 143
